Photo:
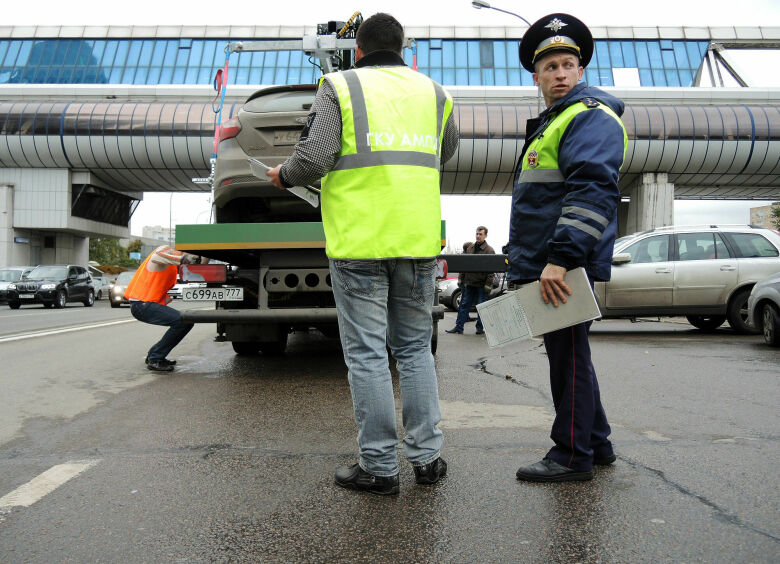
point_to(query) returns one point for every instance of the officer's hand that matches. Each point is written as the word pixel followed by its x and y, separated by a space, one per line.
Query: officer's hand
pixel 552 286
pixel 273 174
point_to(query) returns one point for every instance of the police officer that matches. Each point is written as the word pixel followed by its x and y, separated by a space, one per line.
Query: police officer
pixel 378 134
pixel 564 216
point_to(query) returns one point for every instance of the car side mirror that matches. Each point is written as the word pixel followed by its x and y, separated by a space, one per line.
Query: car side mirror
pixel 621 258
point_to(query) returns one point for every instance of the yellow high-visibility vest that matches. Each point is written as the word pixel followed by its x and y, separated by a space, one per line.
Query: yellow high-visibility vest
pixel 381 199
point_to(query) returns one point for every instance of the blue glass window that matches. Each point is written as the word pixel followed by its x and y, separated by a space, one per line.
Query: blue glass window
pixel 194 61
pixel 616 54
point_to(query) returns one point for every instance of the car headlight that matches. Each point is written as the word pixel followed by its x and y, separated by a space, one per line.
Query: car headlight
pixel 12 286
pixel 48 286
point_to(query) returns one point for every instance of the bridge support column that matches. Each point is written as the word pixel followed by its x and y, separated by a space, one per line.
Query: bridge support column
pixel 651 204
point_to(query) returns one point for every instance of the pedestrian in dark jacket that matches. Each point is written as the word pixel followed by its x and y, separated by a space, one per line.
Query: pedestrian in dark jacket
pixel 564 216
pixel 474 286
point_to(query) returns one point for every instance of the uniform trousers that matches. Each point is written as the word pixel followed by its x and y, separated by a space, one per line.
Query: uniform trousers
pixel 580 429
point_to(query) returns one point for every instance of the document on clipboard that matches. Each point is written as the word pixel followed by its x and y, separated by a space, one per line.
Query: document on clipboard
pixel 522 314
pixel 309 194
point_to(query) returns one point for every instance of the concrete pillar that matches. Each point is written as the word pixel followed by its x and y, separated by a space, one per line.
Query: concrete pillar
pixel 651 204
pixel 6 224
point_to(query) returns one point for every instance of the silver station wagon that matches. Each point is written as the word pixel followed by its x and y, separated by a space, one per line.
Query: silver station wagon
pixel 704 273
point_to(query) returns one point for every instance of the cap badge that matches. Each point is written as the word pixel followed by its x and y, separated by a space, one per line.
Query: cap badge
pixel 556 25
pixel 533 159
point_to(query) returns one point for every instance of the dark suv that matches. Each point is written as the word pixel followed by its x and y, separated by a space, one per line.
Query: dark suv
pixel 53 285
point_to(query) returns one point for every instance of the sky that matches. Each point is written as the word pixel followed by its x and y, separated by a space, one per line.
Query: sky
pixel 463 213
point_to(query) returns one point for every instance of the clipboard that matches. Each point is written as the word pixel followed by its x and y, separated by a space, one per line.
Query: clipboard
pixel 522 314
pixel 309 194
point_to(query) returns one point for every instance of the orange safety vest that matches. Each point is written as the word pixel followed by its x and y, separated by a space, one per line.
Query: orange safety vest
pixel 149 286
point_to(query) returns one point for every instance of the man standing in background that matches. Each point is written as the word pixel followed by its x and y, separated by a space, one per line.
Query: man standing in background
pixel 474 286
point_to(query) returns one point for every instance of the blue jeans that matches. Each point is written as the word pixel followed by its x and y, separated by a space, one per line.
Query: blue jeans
pixel 385 303
pixel 470 297
pixel 156 314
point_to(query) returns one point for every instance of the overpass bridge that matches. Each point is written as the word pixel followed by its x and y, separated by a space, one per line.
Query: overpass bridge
pixel 75 159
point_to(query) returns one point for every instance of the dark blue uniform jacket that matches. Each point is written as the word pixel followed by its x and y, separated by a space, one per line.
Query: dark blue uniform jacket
pixel 571 223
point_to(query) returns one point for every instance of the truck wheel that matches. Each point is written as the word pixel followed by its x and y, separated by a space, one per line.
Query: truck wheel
pixel 737 312
pixel 274 348
pixel 706 322
pixel 246 347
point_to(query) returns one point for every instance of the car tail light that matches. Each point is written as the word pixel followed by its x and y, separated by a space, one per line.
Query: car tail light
pixel 229 129
pixel 226 182
pixel 203 273
pixel 441 269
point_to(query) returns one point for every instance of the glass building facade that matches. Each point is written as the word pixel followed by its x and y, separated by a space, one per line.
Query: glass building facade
pixel 461 62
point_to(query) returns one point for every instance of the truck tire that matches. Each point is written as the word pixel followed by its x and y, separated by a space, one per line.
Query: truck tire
pixel 274 348
pixel 246 348
pixel 737 312
pixel 706 322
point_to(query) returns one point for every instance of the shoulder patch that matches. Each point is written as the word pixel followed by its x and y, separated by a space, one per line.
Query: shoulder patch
pixel 590 102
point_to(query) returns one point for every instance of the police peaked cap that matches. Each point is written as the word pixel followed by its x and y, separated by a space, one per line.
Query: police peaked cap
pixel 556 32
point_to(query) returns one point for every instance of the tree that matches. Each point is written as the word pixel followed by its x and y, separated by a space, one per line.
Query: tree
pixel 775 215
pixel 135 246
pixel 109 252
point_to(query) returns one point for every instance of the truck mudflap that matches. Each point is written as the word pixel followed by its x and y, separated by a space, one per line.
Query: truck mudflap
pixel 267 316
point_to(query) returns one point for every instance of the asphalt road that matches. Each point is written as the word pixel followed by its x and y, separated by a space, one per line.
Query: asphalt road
pixel 231 459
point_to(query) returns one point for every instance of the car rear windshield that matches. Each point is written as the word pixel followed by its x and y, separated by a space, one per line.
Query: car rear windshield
pixel 42 272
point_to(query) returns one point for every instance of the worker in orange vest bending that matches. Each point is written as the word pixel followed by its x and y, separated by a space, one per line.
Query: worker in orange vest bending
pixel 148 296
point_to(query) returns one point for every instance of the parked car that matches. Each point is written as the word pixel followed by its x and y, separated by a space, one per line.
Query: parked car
pixel 450 293
pixel 116 294
pixel 11 274
pixel 53 285
pixel 703 273
pixel 764 309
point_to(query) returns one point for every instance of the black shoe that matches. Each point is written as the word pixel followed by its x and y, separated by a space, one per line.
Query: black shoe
pixel 159 366
pixel 454 330
pixel 604 460
pixel 480 331
pixel 548 470
pixel 163 361
pixel 430 473
pixel 355 478
pixel 470 319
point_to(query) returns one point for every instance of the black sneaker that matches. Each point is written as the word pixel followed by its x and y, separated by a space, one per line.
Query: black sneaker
pixel 163 361
pixel 430 473
pixel 159 366
pixel 355 478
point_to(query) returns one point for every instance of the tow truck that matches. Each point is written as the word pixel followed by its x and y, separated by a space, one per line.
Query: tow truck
pixel 273 278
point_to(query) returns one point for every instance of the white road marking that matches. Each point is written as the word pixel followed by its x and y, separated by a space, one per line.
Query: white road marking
pixel 63 330
pixel 27 494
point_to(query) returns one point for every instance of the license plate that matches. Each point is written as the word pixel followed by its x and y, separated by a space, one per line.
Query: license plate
pixel 212 294
pixel 26 296
pixel 286 136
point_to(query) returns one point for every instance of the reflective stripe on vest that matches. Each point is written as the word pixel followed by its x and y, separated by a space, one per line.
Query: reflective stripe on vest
pixel 381 199
pixel 147 286
pixel 546 171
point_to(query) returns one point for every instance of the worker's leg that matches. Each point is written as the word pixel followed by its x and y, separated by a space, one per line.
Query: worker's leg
pixel 157 314
pixel 360 289
pixel 412 287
